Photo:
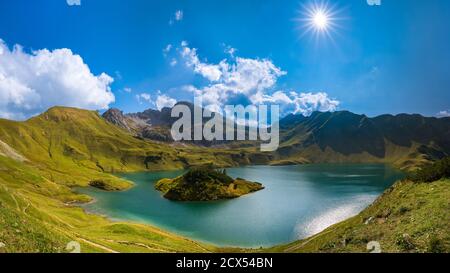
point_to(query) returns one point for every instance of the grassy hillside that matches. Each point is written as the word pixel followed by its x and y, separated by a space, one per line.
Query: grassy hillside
pixel 409 217
pixel 35 218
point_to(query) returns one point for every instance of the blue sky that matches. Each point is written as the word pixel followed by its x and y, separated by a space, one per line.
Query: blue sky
pixel 392 58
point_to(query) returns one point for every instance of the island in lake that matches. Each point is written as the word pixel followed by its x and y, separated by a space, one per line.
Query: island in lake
pixel 205 184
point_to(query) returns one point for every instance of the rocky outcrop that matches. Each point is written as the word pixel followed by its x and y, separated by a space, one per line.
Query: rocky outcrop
pixel 150 124
pixel 116 117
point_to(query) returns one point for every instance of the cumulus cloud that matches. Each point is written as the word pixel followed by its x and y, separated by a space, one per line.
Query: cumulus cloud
pixel 250 81
pixel 244 76
pixel 164 101
pixel 161 101
pixel 32 82
pixel 306 103
pixel 443 114
pixel 74 2
pixel 144 97
pixel 299 103
pixel 210 71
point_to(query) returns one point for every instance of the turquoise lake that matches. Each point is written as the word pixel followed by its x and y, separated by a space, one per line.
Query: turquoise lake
pixel 298 201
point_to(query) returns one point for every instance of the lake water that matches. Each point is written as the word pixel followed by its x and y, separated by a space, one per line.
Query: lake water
pixel 298 202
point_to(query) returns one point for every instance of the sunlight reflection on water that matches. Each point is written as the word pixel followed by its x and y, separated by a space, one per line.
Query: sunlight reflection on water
pixel 333 216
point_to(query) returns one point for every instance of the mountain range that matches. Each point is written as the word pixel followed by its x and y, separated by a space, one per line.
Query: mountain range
pixel 404 140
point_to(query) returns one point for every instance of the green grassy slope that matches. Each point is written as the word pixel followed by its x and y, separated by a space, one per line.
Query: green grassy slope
pixel 409 217
pixel 34 217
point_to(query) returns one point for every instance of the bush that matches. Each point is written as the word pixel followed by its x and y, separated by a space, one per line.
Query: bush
pixel 206 173
pixel 433 172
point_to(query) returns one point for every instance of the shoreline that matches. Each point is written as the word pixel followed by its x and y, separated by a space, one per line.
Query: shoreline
pixel 219 246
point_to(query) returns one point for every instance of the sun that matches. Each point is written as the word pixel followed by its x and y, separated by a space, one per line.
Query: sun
pixel 318 19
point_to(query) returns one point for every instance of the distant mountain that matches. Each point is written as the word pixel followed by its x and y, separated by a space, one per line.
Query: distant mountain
pixel 155 125
pixel 150 124
pixel 405 140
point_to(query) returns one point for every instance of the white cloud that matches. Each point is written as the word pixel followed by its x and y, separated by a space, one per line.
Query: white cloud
pixel 230 50
pixel 277 97
pixel 167 49
pixel 250 75
pixel 306 103
pixel 144 97
pixel 161 101
pixel 128 90
pixel 33 82
pixel 179 14
pixel 443 114
pixel 164 101
pixel 209 71
pixel 252 79
pixel 227 79
pixel 74 2
pixel 173 62
pixel 299 103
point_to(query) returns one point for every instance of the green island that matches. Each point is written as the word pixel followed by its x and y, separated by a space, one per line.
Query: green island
pixel 44 159
pixel 205 184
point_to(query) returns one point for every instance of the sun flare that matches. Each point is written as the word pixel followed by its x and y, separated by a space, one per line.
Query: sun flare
pixel 318 20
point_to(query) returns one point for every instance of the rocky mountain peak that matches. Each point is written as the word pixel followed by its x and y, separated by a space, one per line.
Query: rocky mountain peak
pixel 116 117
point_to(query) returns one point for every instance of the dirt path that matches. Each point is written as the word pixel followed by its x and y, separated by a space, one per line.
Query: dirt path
pixel 107 249
pixel 293 248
